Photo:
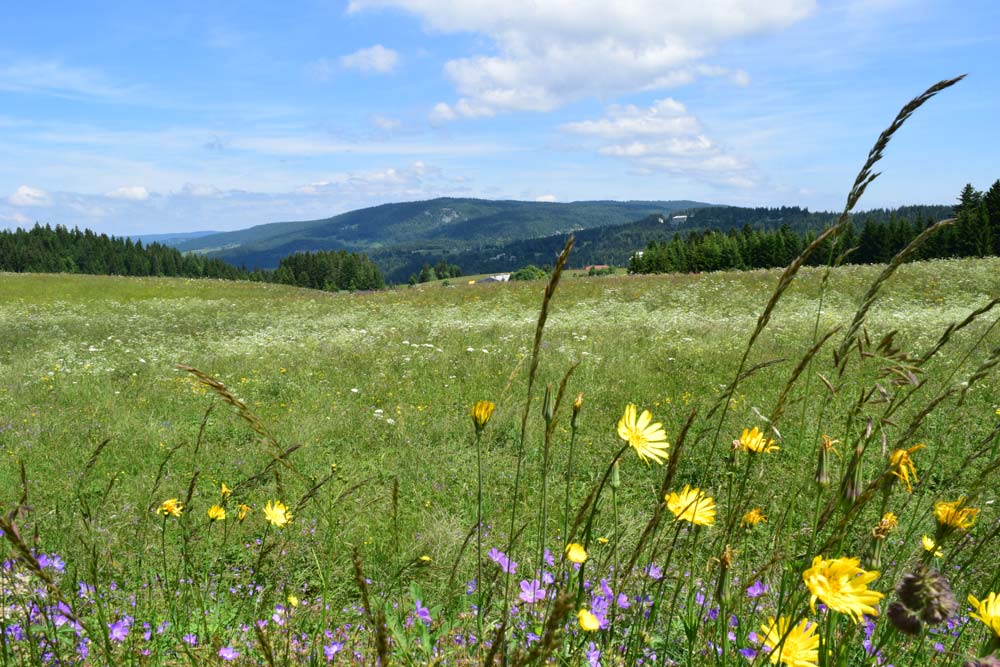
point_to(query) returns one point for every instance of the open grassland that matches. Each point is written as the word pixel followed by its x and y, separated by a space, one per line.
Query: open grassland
pixel 371 391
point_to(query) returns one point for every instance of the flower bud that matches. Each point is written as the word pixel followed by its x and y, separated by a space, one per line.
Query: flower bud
pixel 547 405
pixel 616 476
pixel 826 446
pixel 850 486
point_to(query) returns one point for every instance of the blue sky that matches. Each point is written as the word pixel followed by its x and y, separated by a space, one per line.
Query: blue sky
pixel 165 117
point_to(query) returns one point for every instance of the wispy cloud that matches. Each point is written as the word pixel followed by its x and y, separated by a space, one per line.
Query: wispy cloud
pixel 51 77
pixel 376 59
pixel 130 192
pixel 25 195
pixel 665 137
pixel 134 209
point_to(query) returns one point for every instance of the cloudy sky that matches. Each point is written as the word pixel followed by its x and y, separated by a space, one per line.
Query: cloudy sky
pixel 179 116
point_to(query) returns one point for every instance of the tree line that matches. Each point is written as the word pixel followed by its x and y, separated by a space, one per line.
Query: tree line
pixel 976 233
pixel 44 249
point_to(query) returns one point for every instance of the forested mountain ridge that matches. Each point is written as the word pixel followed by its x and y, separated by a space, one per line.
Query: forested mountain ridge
pixel 431 226
pixel 615 244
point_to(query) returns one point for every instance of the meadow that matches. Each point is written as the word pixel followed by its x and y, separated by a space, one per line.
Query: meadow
pixel 353 410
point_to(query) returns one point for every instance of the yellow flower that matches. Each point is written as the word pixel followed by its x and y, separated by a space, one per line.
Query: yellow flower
pixel 755 442
pixel 800 647
pixel 226 491
pixel 242 511
pixel 216 513
pixel 576 553
pixel 692 505
pixel 954 515
pixel 277 513
pixel 648 440
pixel 481 413
pixel 901 465
pixel 602 540
pixel 292 600
pixel 754 517
pixel 425 559
pixel 842 585
pixel 989 611
pixel 170 507
pixel 588 621
pixel 931 545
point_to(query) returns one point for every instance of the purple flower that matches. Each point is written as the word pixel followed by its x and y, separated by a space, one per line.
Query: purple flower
pixel 331 650
pixel 422 613
pixel 190 639
pixel 501 559
pixel 532 591
pixel 119 630
pixel 748 653
pixel 654 572
pixel 593 656
pixel 757 589
pixel 228 653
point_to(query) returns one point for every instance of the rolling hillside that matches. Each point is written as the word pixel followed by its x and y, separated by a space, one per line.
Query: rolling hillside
pixel 428 227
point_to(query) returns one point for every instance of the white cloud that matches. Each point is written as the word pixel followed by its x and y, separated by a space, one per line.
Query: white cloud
pixel 546 198
pixel 26 195
pixel 194 190
pixel 549 53
pixel 386 123
pixel 373 59
pixel 442 113
pixel 665 137
pixel 130 192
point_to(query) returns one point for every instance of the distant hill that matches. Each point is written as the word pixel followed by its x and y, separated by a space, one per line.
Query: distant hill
pixel 174 239
pixel 489 236
pixel 615 244
pixel 425 228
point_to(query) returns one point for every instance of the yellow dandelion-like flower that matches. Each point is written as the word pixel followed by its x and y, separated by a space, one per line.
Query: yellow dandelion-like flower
pixel 753 517
pixel 588 622
pixel 988 611
pixel 575 553
pixel 481 413
pixel 754 441
pixel 292 600
pixel 901 465
pixel 242 511
pixel 602 540
pixel 692 505
pixel 216 513
pixel 276 512
pixel 170 507
pixel 930 545
pixel 226 491
pixel 954 515
pixel 842 585
pixel 800 647
pixel 648 440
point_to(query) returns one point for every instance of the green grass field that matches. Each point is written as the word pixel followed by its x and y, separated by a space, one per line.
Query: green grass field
pixel 377 388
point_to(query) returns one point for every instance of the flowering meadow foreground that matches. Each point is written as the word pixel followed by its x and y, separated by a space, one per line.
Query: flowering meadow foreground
pixel 792 468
